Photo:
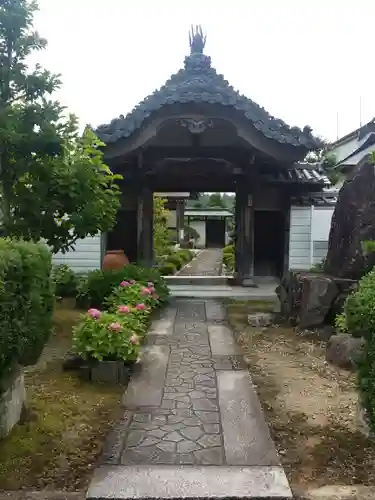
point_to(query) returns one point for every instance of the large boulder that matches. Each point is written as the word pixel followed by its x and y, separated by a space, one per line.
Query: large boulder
pixel 311 300
pixel 353 222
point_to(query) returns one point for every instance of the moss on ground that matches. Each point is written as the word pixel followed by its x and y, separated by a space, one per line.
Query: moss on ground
pixel 59 443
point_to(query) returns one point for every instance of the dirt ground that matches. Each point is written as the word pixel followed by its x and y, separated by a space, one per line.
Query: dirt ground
pixel 58 445
pixel 310 406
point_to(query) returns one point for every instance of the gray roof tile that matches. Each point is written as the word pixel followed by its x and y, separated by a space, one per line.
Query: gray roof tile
pixel 198 82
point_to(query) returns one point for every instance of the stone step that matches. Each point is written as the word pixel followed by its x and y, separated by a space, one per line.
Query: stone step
pixel 264 293
pixel 196 280
pixel 188 482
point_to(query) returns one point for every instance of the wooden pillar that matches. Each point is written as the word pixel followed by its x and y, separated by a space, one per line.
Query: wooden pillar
pixel 124 234
pixel 146 227
pixel 180 220
pixel 244 244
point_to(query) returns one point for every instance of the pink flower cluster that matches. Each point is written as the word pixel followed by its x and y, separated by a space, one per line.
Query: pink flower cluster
pixel 94 313
pixel 124 309
pixel 115 327
pixel 134 339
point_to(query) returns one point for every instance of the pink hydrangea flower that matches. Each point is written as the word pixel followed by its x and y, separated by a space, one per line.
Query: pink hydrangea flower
pixel 140 307
pixel 124 284
pixel 123 309
pixel 150 284
pixel 134 339
pixel 145 291
pixel 115 327
pixel 132 282
pixel 152 289
pixel 94 313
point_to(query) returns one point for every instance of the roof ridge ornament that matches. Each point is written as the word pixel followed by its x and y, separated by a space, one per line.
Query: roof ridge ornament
pixel 197 40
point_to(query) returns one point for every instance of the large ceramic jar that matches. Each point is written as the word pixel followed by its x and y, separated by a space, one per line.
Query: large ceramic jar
pixel 115 259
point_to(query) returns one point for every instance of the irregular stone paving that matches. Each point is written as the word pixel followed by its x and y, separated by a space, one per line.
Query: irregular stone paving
pixel 185 429
pixel 194 403
pixel 207 263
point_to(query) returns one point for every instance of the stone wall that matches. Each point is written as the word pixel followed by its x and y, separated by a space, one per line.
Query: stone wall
pixel 11 402
pixel 310 300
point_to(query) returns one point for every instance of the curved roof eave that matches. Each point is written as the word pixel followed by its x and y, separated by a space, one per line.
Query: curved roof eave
pixel 199 82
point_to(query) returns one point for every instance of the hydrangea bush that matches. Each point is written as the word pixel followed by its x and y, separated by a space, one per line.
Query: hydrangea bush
pixel 116 333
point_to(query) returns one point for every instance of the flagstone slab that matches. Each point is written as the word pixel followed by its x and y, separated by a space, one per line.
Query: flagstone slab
pixel 146 387
pixel 247 440
pixel 189 482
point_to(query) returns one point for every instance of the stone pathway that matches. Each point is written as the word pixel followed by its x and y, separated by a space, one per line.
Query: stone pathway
pixel 207 263
pixel 192 425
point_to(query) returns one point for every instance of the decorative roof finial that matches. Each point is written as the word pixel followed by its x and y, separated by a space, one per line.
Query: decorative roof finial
pixel 197 40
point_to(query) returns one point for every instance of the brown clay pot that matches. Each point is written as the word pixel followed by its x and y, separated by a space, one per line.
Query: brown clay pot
pixel 115 259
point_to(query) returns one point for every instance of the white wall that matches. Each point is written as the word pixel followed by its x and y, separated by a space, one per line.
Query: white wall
pixel 85 256
pixel 200 227
pixel 299 239
pixel 309 234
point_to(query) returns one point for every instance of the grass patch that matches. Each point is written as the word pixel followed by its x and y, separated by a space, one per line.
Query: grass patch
pixel 57 447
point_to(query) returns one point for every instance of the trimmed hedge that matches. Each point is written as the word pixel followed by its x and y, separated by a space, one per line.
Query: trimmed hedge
pixel 26 302
pixel 175 261
pixel 167 269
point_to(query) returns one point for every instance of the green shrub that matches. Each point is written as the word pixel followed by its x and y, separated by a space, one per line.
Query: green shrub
pixel 98 285
pixel 105 336
pixel 318 267
pixel 115 334
pixel 359 308
pixel 185 255
pixel 366 382
pixel 229 256
pixel 176 259
pixel 358 319
pixel 167 268
pixel 66 281
pixel 26 302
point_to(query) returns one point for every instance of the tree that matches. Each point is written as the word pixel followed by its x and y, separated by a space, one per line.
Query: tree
pixel 53 182
pixel 327 161
pixel 216 201
pixel 161 233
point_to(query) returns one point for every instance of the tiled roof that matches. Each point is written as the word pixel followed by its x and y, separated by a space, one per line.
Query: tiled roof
pixel 198 82
pixel 324 198
pixel 300 173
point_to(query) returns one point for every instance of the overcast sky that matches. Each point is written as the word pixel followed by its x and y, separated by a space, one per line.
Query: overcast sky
pixel 305 61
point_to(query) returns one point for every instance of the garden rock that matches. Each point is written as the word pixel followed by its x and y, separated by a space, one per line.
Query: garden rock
pixel 353 222
pixel 318 294
pixel 72 362
pixel 260 319
pixel 344 350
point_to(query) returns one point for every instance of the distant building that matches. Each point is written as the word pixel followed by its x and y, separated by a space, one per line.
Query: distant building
pixel 350 149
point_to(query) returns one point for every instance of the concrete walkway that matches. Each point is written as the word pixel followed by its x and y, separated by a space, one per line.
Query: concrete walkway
pixel 192 425
pixel 207 263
